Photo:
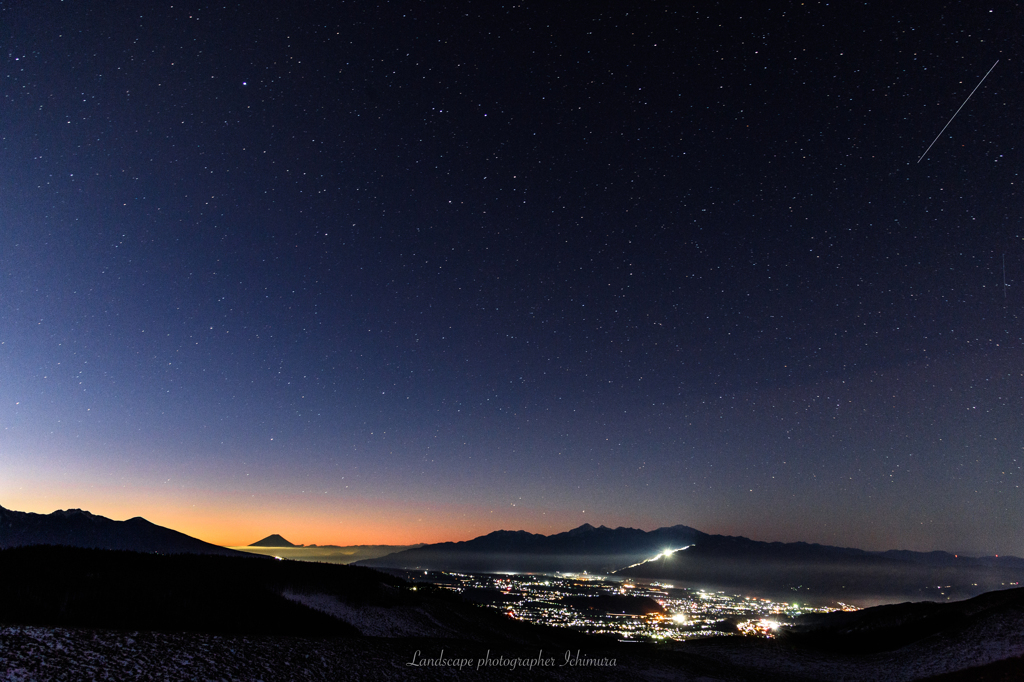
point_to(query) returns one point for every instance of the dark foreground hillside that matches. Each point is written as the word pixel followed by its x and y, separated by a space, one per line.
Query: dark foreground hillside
pixel 74 587
pixel 80 614
pixel 893 626
pixel 29 654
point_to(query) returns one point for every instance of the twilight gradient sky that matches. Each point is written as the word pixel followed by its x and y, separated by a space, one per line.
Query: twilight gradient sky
pixel 417 271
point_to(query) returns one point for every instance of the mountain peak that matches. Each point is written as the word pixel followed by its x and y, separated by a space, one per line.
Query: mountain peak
pixel 65 513
pixel 585 528
pixel 274 540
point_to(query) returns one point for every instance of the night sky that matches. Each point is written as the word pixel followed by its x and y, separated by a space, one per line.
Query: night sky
pixel 416 271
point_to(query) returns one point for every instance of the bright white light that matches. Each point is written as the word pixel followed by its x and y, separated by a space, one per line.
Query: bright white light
pixel 664 554
pixel 679 617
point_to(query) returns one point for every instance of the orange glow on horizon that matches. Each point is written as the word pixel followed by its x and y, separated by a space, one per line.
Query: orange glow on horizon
pixel 238 522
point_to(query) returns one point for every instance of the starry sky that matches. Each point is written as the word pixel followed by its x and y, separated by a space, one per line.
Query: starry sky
pixel 415 271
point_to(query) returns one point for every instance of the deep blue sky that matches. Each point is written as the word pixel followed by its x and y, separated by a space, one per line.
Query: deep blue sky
pixel 419 271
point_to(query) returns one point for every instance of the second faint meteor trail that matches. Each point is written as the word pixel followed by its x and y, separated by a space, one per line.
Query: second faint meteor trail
pixel 957 112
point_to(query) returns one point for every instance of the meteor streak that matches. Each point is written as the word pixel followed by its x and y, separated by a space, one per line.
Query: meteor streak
pixel 957 112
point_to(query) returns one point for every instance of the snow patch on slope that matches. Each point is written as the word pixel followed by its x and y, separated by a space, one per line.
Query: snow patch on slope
pixel 376 621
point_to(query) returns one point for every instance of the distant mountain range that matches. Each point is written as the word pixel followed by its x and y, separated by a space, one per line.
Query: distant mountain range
pixel 797 571
pixel 78 528
pixel 582 549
